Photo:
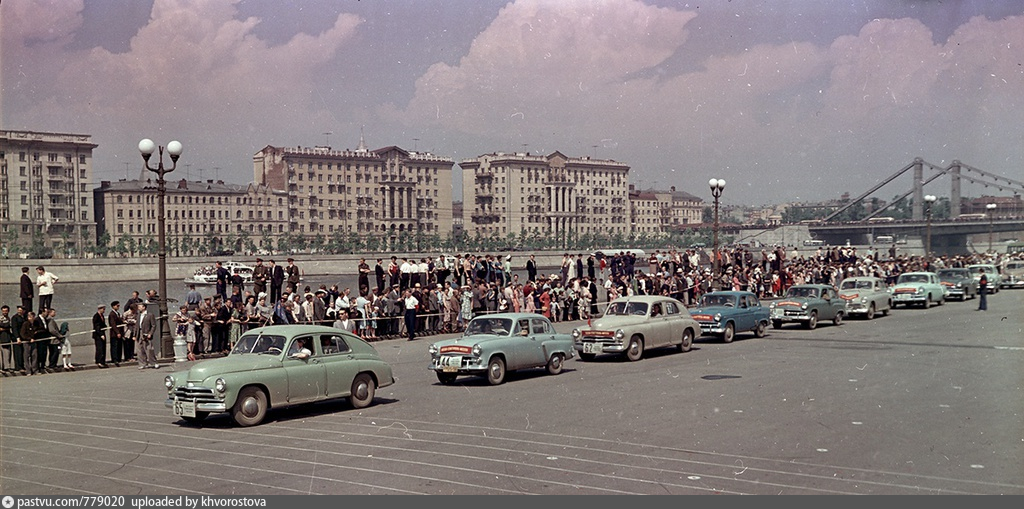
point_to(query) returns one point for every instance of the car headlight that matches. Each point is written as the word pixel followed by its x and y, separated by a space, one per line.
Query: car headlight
pixel 771 306
pixel 477 350
pixel 959 285
pixel 169 382
pixel 620 334
pixel 920 289
pixel 220 385
pixel 718 317
pixel 576 334
pixel 803 306
pixel 863 300
pixel 432 350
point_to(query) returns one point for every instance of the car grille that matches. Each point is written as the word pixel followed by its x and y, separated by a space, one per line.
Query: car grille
pixel 790 312
pixel 199 394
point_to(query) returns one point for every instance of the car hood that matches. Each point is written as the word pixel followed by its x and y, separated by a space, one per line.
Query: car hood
pixel 469 341
pixel 615 322
pixel 794 301
pixel 232 364
pixel 711 311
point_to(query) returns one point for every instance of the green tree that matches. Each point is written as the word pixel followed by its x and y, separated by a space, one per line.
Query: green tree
pixel 102 247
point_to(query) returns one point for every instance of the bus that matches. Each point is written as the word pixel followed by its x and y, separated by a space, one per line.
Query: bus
pixel 881 219
pixel 814 242
pixel 884 239
pixel 971 217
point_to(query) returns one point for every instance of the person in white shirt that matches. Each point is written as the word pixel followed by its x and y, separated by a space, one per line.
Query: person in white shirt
pixel 406 273
pixel 45 282
pixel 411 303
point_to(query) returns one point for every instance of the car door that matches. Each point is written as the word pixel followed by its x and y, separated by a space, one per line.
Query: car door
pixel 675 323
pixel 743 316
pixel 340 363
pixel 535 353
pixel 307 378
pixel 835 304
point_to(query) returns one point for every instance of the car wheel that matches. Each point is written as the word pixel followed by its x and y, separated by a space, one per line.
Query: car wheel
pixel 871 312
pixel 496 371
pixel 446 378
pixel 687 343
pixel 635 350
pixel 363 389
pixel 776 324
pixel 759 330
pixel 812 322
pixel 942 300
pixel 555 364
pixel 587 356
pixel 928 301
pixel 730 331
pixel 250 408
pixel 200 417
pixel 885 312
pixel 838 320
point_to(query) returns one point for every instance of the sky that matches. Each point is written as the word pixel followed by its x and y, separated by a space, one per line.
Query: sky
pixel 785 100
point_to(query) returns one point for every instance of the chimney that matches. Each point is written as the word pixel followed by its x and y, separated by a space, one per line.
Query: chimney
pixel 182 184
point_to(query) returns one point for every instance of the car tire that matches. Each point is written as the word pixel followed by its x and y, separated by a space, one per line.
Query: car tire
pixel 729 334
pixel 555 364
pixel 200 417
pixel 927 302
pixel 250 407
pixel 776 324
pixel 838 320
pixel 871 312
pixel 587 356
pixel 446 378
pixel 813 321
pixel 885 312
pixel 635 349
pixel 687 342
pixel 363 389
pixel 759 330
pixel 496 371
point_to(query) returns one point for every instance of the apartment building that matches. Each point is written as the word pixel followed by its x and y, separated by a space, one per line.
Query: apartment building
pixel 208 213
pixel 659 212
pixel 388 192
pixel 45 189
pixel 508 193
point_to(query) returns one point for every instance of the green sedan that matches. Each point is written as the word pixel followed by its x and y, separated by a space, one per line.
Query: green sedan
pixel 279 366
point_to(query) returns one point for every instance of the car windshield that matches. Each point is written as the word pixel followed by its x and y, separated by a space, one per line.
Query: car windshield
pixel 912 278
pixel 802 292
pixel 709 301
pixel 259 343
pixel 951 273
pixel 856 285
pixel 627 308
pixel 1015 265
pixel 977 268
pixel 496 326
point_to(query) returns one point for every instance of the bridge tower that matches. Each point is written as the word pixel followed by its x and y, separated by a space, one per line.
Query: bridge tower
pixel 954 190
pixel 917 207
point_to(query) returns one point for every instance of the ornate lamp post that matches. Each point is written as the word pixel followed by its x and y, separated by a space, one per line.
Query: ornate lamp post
pixel 717 186
pixel 991 208
pixel 929 200
pixel 146 148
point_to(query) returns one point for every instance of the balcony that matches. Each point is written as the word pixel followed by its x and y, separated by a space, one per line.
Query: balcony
pixel 392 179
pixel 485 217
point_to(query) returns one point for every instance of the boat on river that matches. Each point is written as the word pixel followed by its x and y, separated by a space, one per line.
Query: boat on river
pixel 208 275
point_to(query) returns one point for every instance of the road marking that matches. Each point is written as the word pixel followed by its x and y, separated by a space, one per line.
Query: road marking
pixel 1008 347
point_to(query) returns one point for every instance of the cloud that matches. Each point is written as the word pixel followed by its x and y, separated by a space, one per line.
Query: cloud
pixel 804 118
pixel 194 64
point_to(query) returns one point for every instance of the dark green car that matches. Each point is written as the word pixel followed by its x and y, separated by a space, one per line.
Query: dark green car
pixel 279 366
pixel 808 304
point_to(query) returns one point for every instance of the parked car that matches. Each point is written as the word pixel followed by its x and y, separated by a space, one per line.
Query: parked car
pixel 959 283
pixel 268 368
pixel 723 314
pixel 1013 275
pixel 633 324
pixel 918 288
pixel 495 344
pixel 865 296
pixel 807 304
pixel 995 280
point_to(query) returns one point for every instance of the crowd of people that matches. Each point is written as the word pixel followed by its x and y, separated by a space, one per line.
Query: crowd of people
pixel 410 298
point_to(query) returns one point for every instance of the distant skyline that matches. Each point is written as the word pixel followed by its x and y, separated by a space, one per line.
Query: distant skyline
pixel 785 100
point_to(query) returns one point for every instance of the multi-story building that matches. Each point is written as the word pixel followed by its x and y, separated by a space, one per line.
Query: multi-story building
pixel 506 194
pixel 211 214
pixel 388 192
pixel 45 189
pixel 660 212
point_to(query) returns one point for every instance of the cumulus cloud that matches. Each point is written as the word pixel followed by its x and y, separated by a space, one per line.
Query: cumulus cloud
pixel 817 117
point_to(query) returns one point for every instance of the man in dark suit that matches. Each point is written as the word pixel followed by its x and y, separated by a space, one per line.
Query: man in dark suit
pixel 222 281
pixel 293 275
pixel 27 289
pixel 531 269
pixel 144 346
pixel 260 275
pixel 99 336
pixel 116 334
pixel 276 281
pixel 378 271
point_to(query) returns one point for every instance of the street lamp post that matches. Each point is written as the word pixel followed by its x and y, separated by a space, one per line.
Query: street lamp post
pixel 929 200
pixel 146 148
pixel 991 208
pixel 717 186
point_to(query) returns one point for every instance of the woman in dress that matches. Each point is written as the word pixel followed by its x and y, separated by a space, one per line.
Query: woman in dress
pixel 131 318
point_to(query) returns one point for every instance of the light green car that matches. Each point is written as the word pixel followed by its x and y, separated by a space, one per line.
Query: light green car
pixel 279 366
pixel 919 288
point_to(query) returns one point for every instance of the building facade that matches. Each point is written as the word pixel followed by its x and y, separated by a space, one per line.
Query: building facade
pixel 660 212
pixel 510 194
pixel 388 192
pixel 200 216
pixel 46 190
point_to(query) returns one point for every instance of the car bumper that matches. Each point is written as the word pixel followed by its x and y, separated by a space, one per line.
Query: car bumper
pixel 597 347
pixel 956 292
pixel 707 328
pixel 201 406
pixel 802 316
pixel 857 309
pixel 467 366
pixel 1012 284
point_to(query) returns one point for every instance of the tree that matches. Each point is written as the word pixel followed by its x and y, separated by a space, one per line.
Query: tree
pixel 102 247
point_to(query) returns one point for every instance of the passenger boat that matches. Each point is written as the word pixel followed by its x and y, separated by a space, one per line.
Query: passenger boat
pixel 208 275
